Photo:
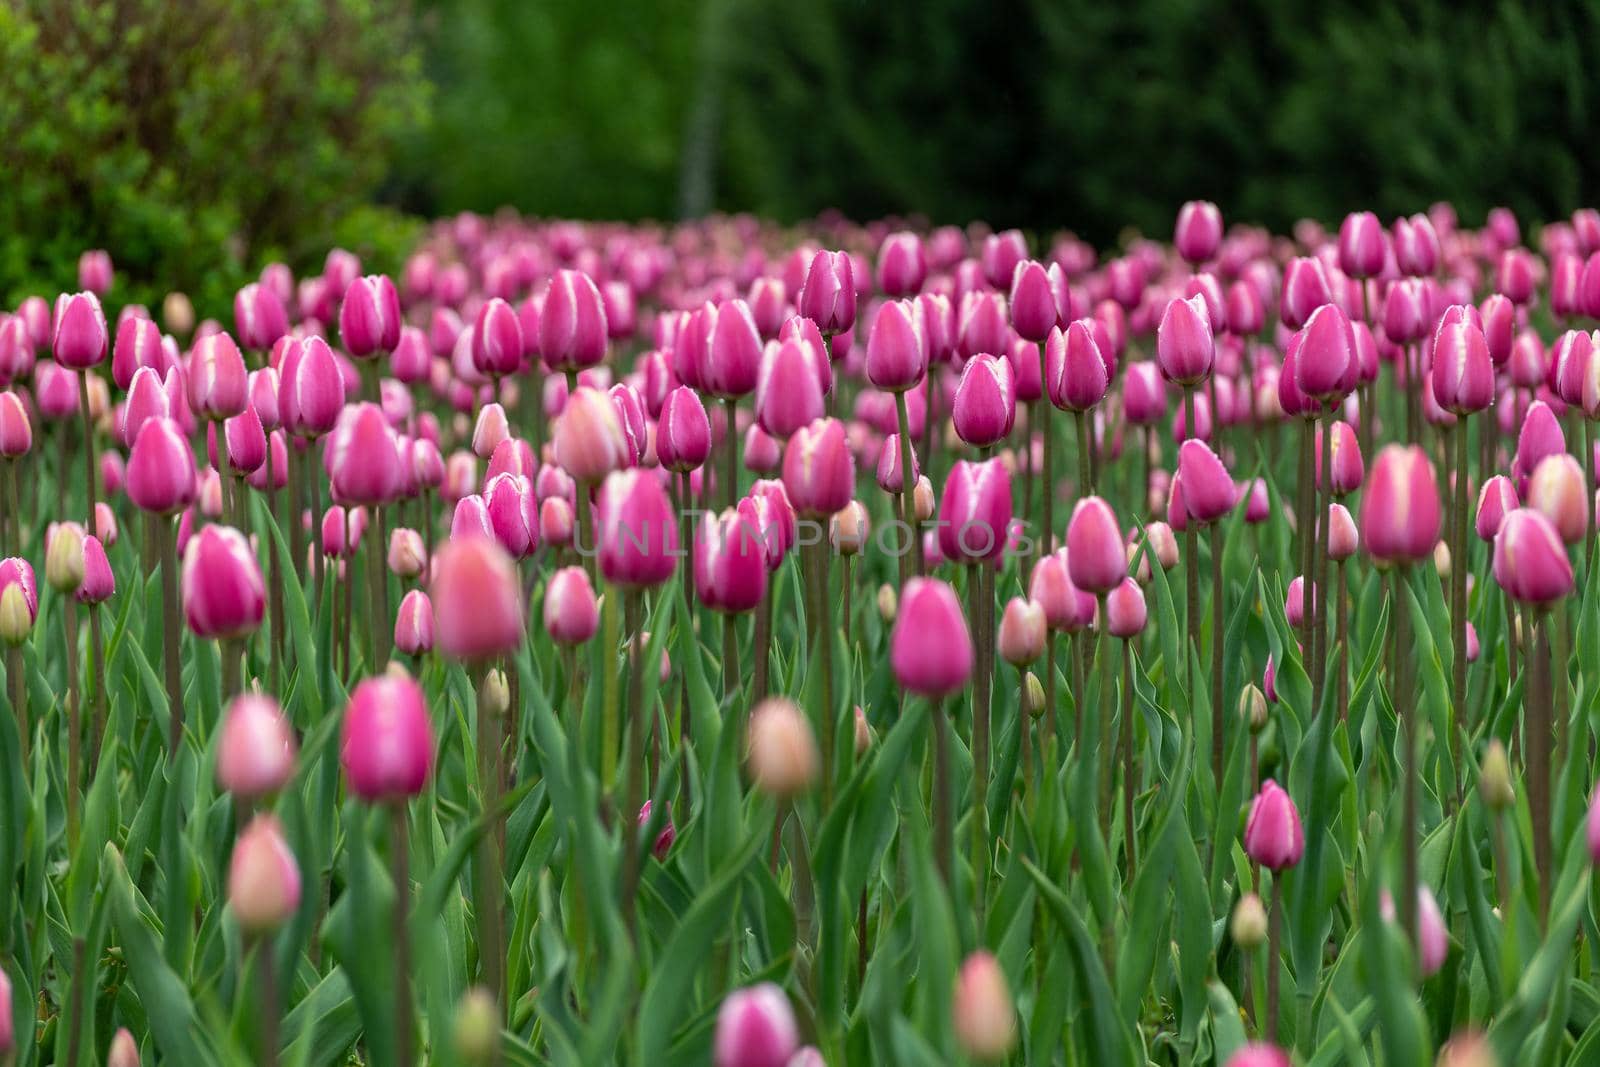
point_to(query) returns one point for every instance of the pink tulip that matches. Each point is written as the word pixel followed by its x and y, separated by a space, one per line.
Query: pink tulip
pixel 788 394
pixel 1363 245
pixel 1416 245
pixel 94 271
pixel 55 391
pixel 756 1028
pixel 369 316
pixel 1002 253
pixel 664 839
pixel 99 583
pixel 730 363
pixel 246 441
pixel 310 388
pixel 477 599
pixel 161 471
pixel 1305 289
pixel 386 742
pixel 1347 467
pixel 683 434
pixel 902 264
pixel 981 1011
pixel 1096 560
pixel 931 647
pixel 985 404
pixel 1126 611
pixel 1557 491
pixel 1540 436
pixel 981 327
pixel 1033 302
pixel 589 440
pixel 730 570
pixel 1343 539
pixel 1076 374
pixel 413 625
pixel 572 323
pixel 819 469
pixel 1184 346
pixel 259 317
pixel 1208 490
pixel 1022 632
pixel 16 432
pixel 263 877
pixel 1432 934
pixel 1259 1054
pixel 897 347
pixel 492 427
pixel 19 572
pixel 513 514
pixel 1530 562
pixel 975 511
pixel 256 752
pixel 889 475
pixel 80 340
pixel 1272 834
pixel 635 530
pixel 1144 396
pixel 828 297
pixel 1463 373
pixel 1400 513
pixel 1326 363
pixel 1592 827
pixel 363 457
pixel 138 344
pixel 223 593
pixel 497 340
pixel 571 613
pixel 218 383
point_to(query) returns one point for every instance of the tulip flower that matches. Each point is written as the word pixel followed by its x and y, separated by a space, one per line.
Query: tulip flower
pixel 730 569
pixel 981 1010
pixel 223 593
pixel 263 877
pixel 1557 491
pixel 413 624
pixel 788 394
pixel 256 752
pixel 1022 632
pixel 1184 346
pixel 589 441
pixel 683 433
pixel 1400 513
pixel 477 599
pixel 571 615
pixel 572 323
pixel 781 752
pixel 1272 835
pixel 902 264
pixel 1259 1054
pixel 985 406
pixel 755 1028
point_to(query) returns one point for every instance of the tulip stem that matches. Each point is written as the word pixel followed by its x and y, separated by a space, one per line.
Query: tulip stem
pixel 1558 694
pixel 1047 480
pixel 88 449
pixel 1274 938
pixel 730 490
pixel 1105 753
pixel 1316 583
pixel 1589 465
pixel 1218 604
pixel 382 628
pixel 1341 629
pixel 73 701
pixel 96 658
pixel 908 491
pixel 978 593
pixel 1458 599
pixel 584 542
pixel 275 576
pixel 1051 646
pixel 1406 710
pixel 1130 845
pixel 19 702
pixel 1085 444
pixel 1025 724
pixel 399 858
pixel 1539 760
pixel 627 819
pixel 818 566
pixel 488 877
pixel 943 829
pixel 167 538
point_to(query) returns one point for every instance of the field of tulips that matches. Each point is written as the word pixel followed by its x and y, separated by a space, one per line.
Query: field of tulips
pixel 731 645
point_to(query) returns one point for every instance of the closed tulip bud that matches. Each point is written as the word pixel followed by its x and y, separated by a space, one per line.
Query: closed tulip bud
pixel 1432 935
pixel 99 583
pixel 497 342
pixel 55 391
pixel 781 752
pixel 1416 245
pixel 513 513
pixel 975 511
pixel 386 742
pixel 246 442
pixel 413 624
pixel 931 647
pixel 788 394
pixel 819 469
pixel 17 573
pixel 475 1030
pixel 755 1028
pixel 1294 605
pixel 1348 469
pixel 369 316
pixel 1326 363
pixel 124 1050
pixel 491 428
pixel 1467 1049
pixel 223 593
pixel 683 434
pixel 571 612
pixel 1184 345
pixel 1530 562
pixel 1248 926
pixel 63 561
pixel 1126 611
pixel 1272 834
pixel 1463 373
pixel 1163 544
pixel 572 323
pixel 1001 254
pixel 897 347
pixel 80 337
pixel 407 556
pixel 259 316
pixel 981 326
pixel 984 1017
pixel 1253 709
pixel 219 386
pixel 887 603
pixel 255 755
pixel 1076 373
pixel 849 528
pixel 1496 499
pixel 985 404
pixel 477 599
pixel 1343 539
pixel 138 344
pixel 16 432
pixel 263 877
pixel 94 271
pixel 16 615
pixel 1144 396
pixel 902 264
pixel 1208 490
pixel 589 441
pixel 1032 695
pixel 363 457
pixel 1259 1054
pixel 1096 560
pixel 1556 490
pixel 1305 289
pixel 1400 513
pixel 1033 302
pixel 1363 245
pixel 922 499
pixel 828 297
pixel 1494 777
pixel 730 568
pixel 1540 436
pixel 889 458
pixel 1022 632
pixel 636 530
pixel 310 388
pixel 494 693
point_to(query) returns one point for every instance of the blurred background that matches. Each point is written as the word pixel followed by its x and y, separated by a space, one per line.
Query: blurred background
pixel 199 140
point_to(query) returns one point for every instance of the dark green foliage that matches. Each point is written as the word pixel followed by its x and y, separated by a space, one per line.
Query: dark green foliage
pixel 195 140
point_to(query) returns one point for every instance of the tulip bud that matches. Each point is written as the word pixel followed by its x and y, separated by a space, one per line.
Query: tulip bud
pixel 16 432
pixel 984 1017
pixel 1432 935
pixel 788 392
pixel 1126 612
pixel 494 692
pixel 1033 302
pixel 1208 490
pixel 1032 695
pixel 1530 562
pixel 1326 362
pixel 1248 927
pixel 386 744
pixel 849 528
pixel 635 530
pixel 887 603
pixel 1096 560
pixel 1272 835
pixel 683 434
pixel 755 1028
pixel 819 469
pixel 975 511
pixel 363 457
pixel 1362 245
pixel 828 297
pixel 897 347
pixel 124 1050
pixel 477 599
pixel 1348 469
pixel 1253 708
pixel 863 732
pixel 1494 777
pixel 922 499
pixel 263 877
pixel 1184 344
pixel 1467 1049
pixel 589 441
pixel 223 592
pixel 902 264
pixel 572 323
pixel 1076 370
pixel 475 1030
pixel 219 386
pixel 369 316
pixel 16 618
pixel 1022 632
pixel 1400 514
pixel 161 473
pixel 81 339
pixel 1556 490
pixel 730 568
pixel 63 561
pixel 407 555
pixel 1441 560
pixel 99 583
pixel 1259 1054
pixel 931 647
pixel 781 751
pixel 413 625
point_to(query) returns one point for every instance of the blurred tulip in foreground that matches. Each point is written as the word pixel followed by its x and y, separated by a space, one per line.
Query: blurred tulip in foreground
pixel 255 755
pixel 931 647
pixel 477 599
pixel 982 1012
pixel 223 593
pixel 386 742
pixel 263 877
pixel 756 1028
